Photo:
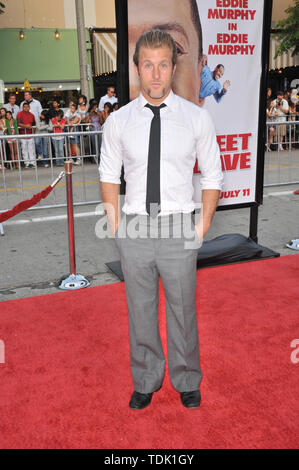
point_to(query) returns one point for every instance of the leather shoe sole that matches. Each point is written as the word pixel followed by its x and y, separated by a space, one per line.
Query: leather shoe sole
pixel 191 399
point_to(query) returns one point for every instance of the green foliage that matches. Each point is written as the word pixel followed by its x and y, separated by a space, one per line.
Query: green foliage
pixel 2 7
pixel 288 31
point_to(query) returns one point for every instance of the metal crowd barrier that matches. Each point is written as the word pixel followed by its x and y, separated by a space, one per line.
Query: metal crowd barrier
pixel 18 182
pixel 23 172
pixel 282 153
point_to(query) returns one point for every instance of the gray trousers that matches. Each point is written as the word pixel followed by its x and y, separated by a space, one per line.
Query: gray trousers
pixel 146 252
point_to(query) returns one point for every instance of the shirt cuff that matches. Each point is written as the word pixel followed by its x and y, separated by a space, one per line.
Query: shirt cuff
pixel 109 179
pixel 211 185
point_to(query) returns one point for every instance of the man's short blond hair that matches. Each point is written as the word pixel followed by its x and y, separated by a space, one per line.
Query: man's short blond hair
pixel 154 39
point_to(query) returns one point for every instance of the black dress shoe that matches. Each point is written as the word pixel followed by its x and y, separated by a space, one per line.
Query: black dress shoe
pixel 191 399
pixel 140 400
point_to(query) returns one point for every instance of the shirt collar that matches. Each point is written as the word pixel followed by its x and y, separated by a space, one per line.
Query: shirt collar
pixel 170 101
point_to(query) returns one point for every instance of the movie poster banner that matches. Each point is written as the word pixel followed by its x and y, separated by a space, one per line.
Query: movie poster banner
pixel 219 67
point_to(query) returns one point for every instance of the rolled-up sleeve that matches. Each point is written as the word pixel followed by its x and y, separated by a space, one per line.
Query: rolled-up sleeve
pixel 208 155
pixel 111 155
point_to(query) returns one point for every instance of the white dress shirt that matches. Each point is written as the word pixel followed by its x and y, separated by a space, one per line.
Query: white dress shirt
pixel 35 107
pixel 106 99
pixel 13 109
pixel 187 133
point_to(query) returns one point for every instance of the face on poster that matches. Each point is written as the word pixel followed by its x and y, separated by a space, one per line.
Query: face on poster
pixel 218 68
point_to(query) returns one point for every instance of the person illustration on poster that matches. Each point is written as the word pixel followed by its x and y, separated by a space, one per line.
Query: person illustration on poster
pixel 210 84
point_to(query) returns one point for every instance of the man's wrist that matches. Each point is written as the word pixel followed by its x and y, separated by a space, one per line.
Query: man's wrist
pixel 202 228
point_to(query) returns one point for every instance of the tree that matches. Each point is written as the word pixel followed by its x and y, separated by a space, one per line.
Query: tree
pixel 287 31
pixel 2 6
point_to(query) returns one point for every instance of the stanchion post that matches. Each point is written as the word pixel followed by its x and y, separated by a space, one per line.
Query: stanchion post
pixel 70 215
pixel 73 281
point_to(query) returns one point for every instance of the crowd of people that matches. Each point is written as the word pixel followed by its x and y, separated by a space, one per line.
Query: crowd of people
pixel 29 118
pixel 282 109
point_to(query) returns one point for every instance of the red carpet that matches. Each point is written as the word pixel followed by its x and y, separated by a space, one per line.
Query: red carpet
pixel 66 381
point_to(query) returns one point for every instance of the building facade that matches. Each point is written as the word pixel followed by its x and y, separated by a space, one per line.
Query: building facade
pixel 38 44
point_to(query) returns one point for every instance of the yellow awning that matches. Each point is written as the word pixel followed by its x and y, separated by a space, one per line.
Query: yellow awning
pixel 105 46
pixel 283 61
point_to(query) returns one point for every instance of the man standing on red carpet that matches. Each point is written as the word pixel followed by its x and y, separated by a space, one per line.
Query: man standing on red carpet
pixel 157 137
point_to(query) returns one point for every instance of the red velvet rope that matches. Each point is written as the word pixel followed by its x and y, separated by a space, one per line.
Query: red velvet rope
pixel 25 204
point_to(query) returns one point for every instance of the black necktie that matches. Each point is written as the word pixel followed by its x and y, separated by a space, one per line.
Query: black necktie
pixel 153 197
